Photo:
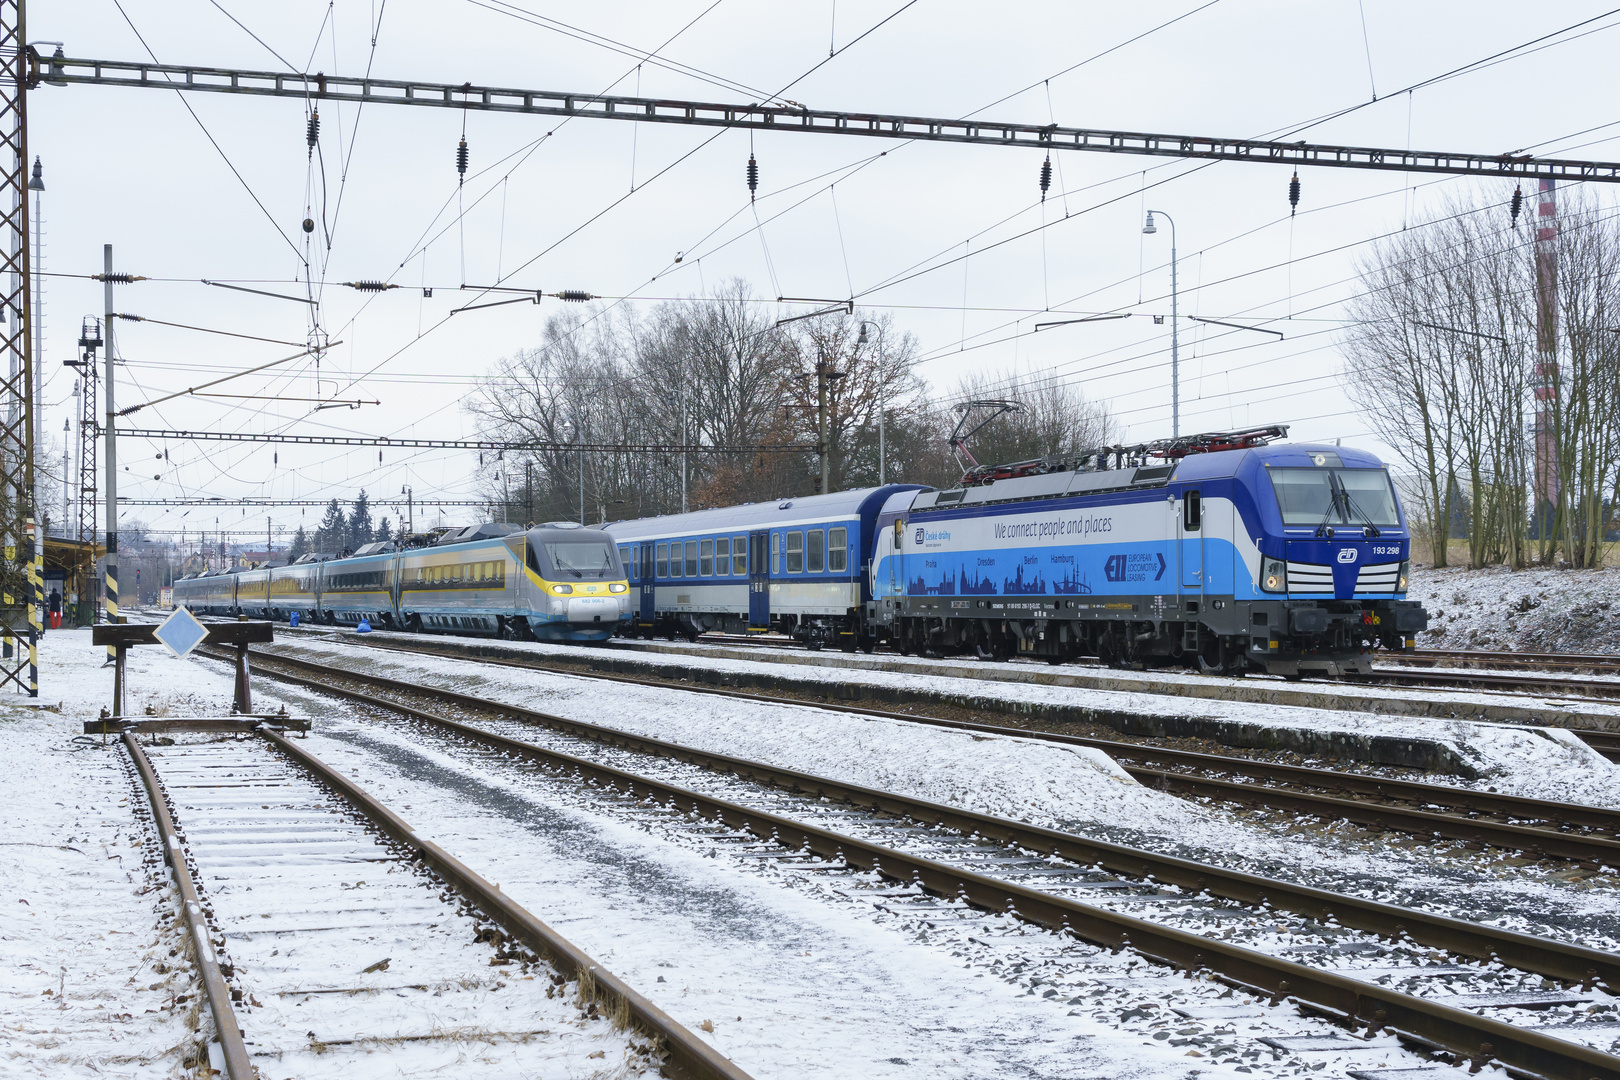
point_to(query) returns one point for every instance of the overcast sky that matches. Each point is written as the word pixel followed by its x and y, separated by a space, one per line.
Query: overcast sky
pixel 883 220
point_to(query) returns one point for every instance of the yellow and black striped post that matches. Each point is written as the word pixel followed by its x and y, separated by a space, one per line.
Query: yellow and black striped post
pixel 112 600
pixel 36 602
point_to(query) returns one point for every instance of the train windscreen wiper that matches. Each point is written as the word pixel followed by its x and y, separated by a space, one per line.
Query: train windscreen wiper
pixel 1371 530
pixel 1322 527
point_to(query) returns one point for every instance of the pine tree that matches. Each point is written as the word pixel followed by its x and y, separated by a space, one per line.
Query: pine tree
pixel 384 530
pixel 300 545
pixel 360 522
pixel 332 535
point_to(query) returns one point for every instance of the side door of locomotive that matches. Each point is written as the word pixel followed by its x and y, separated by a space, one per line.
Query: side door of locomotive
pixel 1189 530
pixel 759 580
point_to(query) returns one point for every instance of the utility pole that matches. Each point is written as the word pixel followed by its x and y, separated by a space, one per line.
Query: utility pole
pixel 267 541
pixel 825 373
pixel 67 464
pixel 112 444
pixel 36 184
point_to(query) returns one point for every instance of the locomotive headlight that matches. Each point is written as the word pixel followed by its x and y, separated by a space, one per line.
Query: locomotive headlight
pixel 1406 572
pixel 562 590
pixel 1274 575
pixel 618 586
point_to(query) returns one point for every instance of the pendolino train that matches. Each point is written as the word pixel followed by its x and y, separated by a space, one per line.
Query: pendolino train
pixel 1226 552
pixel 558 582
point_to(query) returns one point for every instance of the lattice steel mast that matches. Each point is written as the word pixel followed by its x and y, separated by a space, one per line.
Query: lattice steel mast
pixel 21 553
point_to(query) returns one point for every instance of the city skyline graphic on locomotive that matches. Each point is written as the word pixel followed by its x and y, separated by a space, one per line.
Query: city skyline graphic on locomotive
pixel 1224 552
pixel 555 582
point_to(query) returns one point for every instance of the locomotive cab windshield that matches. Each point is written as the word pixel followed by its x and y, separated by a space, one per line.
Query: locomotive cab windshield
pixel 558 556
pixel 1312 498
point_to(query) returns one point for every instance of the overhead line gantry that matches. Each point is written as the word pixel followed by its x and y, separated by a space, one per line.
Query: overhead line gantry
pixel 60 70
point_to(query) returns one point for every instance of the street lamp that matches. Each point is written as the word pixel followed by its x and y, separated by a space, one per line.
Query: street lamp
pixel 1175 344
pixel 882 449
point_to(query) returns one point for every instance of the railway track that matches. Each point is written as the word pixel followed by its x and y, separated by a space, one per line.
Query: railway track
pixel 1535 665
pixel 1162 907
pixel 1599 663
pixel 332 938
pixel 1586 834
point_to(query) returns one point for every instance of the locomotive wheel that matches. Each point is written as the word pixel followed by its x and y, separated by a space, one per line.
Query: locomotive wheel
pixel 413 623
pixel 867 643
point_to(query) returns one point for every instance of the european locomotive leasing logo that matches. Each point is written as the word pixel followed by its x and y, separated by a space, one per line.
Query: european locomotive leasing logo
pixel 1347 554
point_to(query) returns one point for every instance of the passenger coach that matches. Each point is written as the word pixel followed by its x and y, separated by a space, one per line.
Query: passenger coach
pixel 794 565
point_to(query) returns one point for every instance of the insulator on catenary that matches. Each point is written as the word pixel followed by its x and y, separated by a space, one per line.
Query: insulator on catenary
pixel 753 177
pixel 313 131
pixel 575 296
pixel 368 286
pixel 1293 194
pixel 461 161
pixel 1046 176
pixel 1516 206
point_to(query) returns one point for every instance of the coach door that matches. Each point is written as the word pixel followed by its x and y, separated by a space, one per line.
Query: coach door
pixel 647 583
pixel 1191 544
pixel 759 581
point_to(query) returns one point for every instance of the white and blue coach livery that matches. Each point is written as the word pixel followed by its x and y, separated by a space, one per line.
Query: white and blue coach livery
pixel 1218 551
pixel 799 566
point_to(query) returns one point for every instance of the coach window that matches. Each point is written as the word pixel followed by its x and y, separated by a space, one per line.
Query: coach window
pixel 706 558
pixel 817 561
pixel 795 552
pixel 624 555
pixel 722 556
pixel 1192 511
pixel 739 555
pixel 663 560
pixel 691 558
pixel 837 550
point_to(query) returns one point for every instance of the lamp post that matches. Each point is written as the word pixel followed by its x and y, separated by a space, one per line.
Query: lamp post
pixel 862 340
pixel 1175 342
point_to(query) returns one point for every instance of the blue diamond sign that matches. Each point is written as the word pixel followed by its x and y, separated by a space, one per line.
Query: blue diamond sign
pixel 181 632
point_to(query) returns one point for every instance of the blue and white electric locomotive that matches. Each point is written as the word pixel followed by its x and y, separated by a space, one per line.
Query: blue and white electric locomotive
pixel 1217 551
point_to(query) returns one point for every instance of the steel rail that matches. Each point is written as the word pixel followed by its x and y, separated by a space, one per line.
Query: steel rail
pixel 1329 779
pixel 1571 963
pixel 689 1056
pixel 1595 850
pixel 793 117
pixel 1346 1000
pixel 1602 689
pixel 1518 659
pixel 229 1032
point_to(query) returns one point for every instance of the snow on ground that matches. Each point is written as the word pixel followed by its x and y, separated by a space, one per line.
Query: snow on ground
pixel 790 987
pixel 788 980
pixel 995 774
pixel 98 982
pixel 1539 610
pixel 1529 760
pixel 1034 781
